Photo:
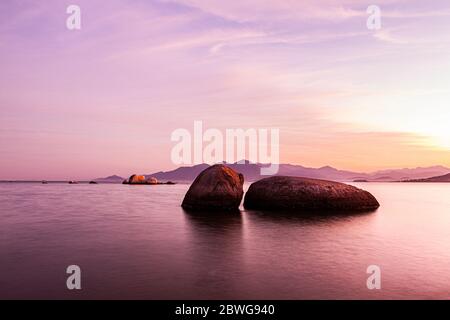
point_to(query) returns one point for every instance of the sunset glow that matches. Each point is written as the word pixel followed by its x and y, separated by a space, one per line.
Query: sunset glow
pixel 105 99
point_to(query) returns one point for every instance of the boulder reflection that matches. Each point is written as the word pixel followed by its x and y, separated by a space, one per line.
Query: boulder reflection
pixel 216 238
pixel 305 216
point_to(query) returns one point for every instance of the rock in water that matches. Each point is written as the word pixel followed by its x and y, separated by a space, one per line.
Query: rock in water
pixel 294 193
pixel 152 180
pixel 216 188
pixel 135 179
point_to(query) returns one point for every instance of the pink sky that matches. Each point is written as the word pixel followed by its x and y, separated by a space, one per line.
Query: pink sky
pixel 104 100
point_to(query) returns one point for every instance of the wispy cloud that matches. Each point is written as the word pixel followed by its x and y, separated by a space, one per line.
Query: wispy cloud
pixel 139 69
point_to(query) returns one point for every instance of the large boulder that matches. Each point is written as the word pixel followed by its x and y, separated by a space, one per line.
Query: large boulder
pixel 294 193
pixel 217 188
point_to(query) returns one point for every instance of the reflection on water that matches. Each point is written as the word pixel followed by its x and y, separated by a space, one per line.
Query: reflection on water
pixel 216 224
pixel 306 217
pixel 139 243
pixel 216 238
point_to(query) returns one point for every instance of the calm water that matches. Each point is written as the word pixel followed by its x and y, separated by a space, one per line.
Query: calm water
pixel 136 242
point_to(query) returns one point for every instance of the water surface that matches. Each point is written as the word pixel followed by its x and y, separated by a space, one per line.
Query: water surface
pixel 137 242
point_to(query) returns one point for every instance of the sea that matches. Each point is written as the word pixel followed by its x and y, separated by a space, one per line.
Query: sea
pixel 136 242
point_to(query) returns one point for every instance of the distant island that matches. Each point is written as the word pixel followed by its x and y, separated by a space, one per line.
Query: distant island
pixel 110 179
pixel 444 178
pixel 142 180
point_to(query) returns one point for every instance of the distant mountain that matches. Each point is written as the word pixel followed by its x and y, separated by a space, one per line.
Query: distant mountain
pixel 410 174
pixel 180 174
pixel 444 178
pixel 110 179
pixel 251 172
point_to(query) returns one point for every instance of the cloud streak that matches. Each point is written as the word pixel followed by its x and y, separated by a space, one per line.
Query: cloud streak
pixel 139 69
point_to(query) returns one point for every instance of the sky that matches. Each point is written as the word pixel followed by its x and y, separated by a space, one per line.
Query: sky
pixel 103 100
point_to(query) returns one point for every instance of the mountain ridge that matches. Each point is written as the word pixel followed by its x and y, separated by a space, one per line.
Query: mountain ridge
pixel 443 178
pixel 251 171
pixel 111 179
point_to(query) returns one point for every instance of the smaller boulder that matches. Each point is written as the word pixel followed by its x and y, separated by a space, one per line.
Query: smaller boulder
pixel 135 179
pixel 152 180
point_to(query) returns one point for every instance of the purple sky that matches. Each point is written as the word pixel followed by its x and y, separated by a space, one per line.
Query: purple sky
pixel 104 100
